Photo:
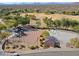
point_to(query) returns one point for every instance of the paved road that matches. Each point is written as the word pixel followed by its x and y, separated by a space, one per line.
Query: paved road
pixel 48 52
pixel 54 53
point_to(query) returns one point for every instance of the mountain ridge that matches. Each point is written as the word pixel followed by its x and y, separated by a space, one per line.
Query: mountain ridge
pixel 35 3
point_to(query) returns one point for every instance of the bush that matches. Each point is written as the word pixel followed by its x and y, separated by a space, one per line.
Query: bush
pixel 33 47
pixel 46 46
pixel 76 28
pixel 41 45
pixel 62 23
pixel 48 22
pixel 45 33
pixel 22 46
pixel 15 46
pixel 71 12
pixel 42 37
pixel 37 47
pixel 2 27
pixel 4 35
pixel 74 42
pixel 41 42
pixel 7 47
pixel 50 12
pixel 11 23
pixel 35 26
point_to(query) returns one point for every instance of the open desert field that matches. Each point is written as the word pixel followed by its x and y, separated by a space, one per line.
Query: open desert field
pixel 53 16
pixel 41 16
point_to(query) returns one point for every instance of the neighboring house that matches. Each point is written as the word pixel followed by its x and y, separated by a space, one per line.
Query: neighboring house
pixel 51 41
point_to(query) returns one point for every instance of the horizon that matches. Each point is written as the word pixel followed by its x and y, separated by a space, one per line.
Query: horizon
pixel 4 1
pixel 34 2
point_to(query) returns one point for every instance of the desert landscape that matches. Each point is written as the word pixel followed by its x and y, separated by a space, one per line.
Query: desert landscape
pixel 30 28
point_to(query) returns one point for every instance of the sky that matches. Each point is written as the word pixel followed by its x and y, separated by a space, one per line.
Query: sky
pixel 9 1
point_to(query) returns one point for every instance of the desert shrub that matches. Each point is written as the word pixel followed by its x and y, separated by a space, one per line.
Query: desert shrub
pixel 38 23
pixel 2 26
pixel 62 23
pixel 74 42
pixel 56 23
pixel 76 28
pixel 46 46
pixel 4 12
pixel 57 46
pixel 49 12
pixel 45 33
pixel 4 35
pixel 22 20
pixel 33 47
pixel 42 37
pixel 7 17
pixel 22 46
pixel 48 22
pixel 11 23
pixel 37 47
pixel 35 26
pixel 7 47
pixel 70 12
pixel 15 46
pixel 41 45
pixel 41 42
pixel 33 17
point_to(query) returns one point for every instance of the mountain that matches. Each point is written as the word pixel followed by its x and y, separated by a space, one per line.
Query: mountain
pixel 35 3
pixel 42 5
